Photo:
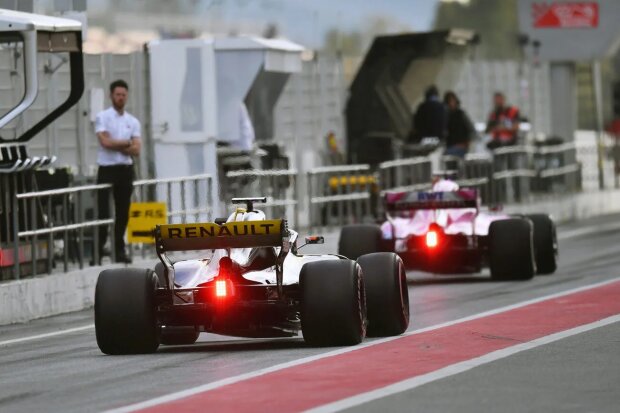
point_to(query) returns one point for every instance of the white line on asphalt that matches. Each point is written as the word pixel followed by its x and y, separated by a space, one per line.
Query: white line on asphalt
pixel 216 384
pixel 579 232
pixel 457 368
pixel 46 335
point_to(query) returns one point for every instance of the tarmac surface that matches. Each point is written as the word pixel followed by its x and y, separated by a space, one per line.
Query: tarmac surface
pixel 54 365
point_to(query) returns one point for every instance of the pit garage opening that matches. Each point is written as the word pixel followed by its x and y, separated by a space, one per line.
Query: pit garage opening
pixel 390 83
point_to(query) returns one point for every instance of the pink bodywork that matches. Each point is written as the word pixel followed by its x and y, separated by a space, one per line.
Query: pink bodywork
pixel 467 221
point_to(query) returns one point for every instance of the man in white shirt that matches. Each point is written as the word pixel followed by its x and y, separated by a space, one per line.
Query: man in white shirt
pixel 119 140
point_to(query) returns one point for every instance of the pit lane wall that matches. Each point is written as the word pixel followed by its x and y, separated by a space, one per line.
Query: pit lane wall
pixel 25 300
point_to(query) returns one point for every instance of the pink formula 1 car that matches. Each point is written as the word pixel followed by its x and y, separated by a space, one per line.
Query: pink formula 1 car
pixel 445 231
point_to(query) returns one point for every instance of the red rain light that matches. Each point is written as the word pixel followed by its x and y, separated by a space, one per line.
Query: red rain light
pixel 221 288
pixel 432 239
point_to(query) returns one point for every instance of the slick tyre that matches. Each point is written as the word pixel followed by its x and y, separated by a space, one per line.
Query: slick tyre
pixel 511 249
pixel 357 240
pixel 125 311
pixel 177 336
pixel 333 303
pixel 387 295
pixel 545 243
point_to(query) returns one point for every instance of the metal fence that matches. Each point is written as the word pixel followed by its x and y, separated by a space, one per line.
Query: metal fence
pixel 340 195
pixel 279 186
pixel 55 224
pixel 188 198
pixel 62 225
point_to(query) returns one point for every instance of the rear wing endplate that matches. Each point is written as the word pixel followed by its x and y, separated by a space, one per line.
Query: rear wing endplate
pixel 411 201
pixel 209 235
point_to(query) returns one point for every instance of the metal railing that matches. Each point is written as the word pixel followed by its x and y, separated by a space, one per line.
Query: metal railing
pixel 278 185
pixel 52 213
pixel 557 169
pixel 187 198
pixel 337 195
pixel 340 195
pixel 409 174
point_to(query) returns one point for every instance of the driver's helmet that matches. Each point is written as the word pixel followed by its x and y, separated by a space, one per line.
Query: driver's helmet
pixel 241 215
pixel 445 185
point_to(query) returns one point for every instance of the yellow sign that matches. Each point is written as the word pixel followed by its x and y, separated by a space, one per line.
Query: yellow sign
pixel 143 218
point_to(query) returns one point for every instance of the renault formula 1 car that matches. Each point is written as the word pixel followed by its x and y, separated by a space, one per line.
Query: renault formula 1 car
pixel 251 281
pixel 445 231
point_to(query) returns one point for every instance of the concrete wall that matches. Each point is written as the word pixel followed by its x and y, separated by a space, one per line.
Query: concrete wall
pixel 25 300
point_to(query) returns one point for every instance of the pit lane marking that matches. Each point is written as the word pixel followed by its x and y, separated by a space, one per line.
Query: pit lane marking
pixel 163 403
pixel 46 335
pixel 457 368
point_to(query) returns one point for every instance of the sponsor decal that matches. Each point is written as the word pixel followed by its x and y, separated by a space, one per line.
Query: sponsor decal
pixel 212 230
pixel 567 15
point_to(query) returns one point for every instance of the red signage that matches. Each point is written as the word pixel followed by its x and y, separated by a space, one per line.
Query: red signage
pixel 566 15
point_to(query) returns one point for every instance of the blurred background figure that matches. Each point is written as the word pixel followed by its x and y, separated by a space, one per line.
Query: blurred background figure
pixel 246 131
pixel 503 123
pixel 429 120
pixel 459 128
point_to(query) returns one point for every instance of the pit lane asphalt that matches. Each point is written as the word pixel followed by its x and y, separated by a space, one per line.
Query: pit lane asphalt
pixel 68 373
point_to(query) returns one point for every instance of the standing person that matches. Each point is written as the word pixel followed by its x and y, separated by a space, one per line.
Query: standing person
pixel 503 123
pixel 119 140
pixel 459 129
pixel 429 120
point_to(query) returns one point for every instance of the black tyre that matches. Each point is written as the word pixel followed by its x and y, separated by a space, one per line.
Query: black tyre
pixel 511 249
pixel 176 336
pixel 545 243
pixel 357 240
pixel 125 311
pixel 387 295
pixel 333 303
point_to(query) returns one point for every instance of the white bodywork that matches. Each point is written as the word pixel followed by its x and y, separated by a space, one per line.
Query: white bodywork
pixel 466 221
pixel 191 273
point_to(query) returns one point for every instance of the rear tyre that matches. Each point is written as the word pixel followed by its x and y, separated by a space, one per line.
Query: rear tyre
pixel 333 303
pixel 387 295
pixel 177 336
pixel 358 240
pixel 125 311
pixel 511 249
pixel 545 243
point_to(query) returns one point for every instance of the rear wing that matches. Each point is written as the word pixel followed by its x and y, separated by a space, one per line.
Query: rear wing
pixel 209 235
pixel 411 201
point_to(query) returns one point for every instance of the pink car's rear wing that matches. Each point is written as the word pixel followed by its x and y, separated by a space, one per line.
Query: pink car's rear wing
pixel 410 201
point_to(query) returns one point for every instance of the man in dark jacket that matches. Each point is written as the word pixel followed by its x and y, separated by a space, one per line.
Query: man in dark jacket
pixel 459 128
pixel 430 117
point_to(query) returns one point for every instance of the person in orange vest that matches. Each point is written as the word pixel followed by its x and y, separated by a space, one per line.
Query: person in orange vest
pixel 503 123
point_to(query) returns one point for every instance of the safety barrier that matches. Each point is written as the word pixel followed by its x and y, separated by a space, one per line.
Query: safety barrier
pixel 278 185
pixel 188 198
pixel 63 224
pixel 65 219
pixel 513 173
pixel 405 174
pixel 340 195
pixel 557 169
pixel 49 214
pixel 477 171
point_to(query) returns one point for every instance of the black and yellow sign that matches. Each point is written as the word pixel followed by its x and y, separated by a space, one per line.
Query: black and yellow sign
pixel 214 236
pixel 143 218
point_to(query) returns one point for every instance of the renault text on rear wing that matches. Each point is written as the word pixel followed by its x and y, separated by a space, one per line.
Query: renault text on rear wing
pixel 208 235
pixel 408 201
